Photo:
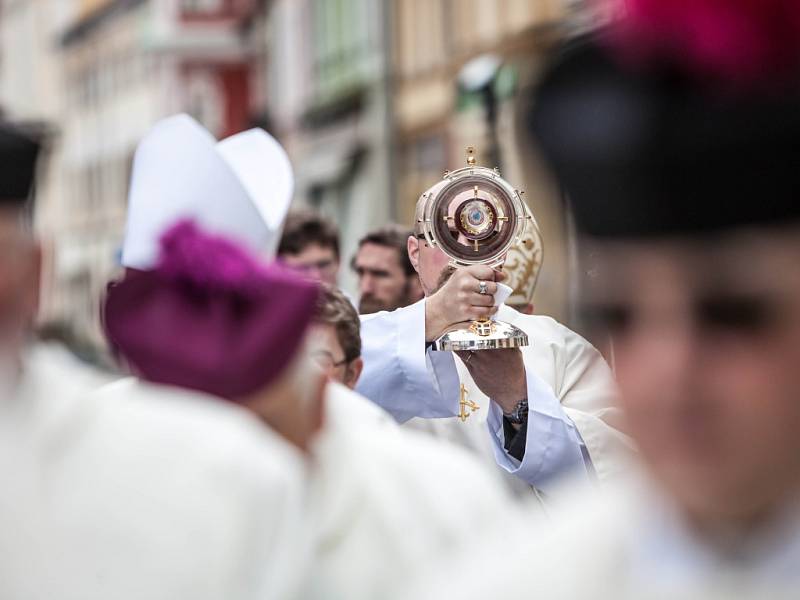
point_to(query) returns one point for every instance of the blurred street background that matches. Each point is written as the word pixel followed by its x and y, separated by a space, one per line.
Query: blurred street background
pixel 373 100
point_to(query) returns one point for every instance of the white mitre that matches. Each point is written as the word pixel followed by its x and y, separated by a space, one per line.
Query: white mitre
pixel 240 187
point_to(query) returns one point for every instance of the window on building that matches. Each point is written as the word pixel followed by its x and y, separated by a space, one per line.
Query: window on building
pixel 423 35
pixel 423 160
pixel 340 44
pixel 205 102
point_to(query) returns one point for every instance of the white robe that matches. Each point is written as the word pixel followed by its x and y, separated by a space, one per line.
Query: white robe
pixel 156 494
pixel 470 435
pixel 570 392
pixel 389 502
pixel 383 502
pixel 626 542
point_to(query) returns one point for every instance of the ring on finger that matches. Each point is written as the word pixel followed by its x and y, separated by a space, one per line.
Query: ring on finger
pixel 482 287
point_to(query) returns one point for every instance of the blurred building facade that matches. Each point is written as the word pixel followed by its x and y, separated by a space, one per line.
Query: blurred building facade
pixel 110 69
pixel 369 97
pixel 328 96
pixel 365 95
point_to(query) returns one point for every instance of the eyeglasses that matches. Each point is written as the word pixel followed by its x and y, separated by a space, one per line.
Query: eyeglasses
pixel 325 360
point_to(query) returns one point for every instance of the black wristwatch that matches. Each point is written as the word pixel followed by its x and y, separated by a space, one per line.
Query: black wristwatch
pixel 519 414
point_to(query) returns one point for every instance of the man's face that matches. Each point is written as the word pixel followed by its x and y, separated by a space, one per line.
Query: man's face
pixel 382 281
pixel 328 354
pixel 315 262
pixel 432 265
pixel 707 354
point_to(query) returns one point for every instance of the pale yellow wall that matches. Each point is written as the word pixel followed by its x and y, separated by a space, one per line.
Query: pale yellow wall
pixel 87 7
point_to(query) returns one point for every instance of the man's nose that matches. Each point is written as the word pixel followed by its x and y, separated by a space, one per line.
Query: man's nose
pixel 314 272
pixel 672 349
pixel 366 284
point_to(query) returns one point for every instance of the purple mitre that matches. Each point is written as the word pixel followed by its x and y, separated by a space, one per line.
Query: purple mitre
pixel 209 317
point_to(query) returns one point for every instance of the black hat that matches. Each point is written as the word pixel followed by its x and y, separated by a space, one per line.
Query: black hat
pixel 650 149
pixel 18 153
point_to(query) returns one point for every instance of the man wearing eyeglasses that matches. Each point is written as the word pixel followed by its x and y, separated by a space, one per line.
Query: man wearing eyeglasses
pixel 336 337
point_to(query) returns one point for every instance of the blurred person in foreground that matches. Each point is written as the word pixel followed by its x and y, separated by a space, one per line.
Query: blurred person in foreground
pixel 180 498
pixel 310 245
pixel 198 310
pixel 675 135
pixel 386 278
pixel 164 192
pixel 545 409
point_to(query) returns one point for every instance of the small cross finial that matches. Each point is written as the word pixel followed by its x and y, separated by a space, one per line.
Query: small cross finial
pixel 471 156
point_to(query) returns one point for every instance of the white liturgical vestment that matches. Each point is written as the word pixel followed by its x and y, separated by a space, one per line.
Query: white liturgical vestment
pixel 153 494
pixel 383 502
pixel 388 503
pixel 570 392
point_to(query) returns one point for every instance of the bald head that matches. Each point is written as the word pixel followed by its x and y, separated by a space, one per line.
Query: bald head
pixel 419 211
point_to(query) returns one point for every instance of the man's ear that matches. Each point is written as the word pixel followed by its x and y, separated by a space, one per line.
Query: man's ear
pixel 317 412
pixel 413 251
pixel 353 372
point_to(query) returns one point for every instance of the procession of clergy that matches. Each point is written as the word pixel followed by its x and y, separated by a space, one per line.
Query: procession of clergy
pixel 244 458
